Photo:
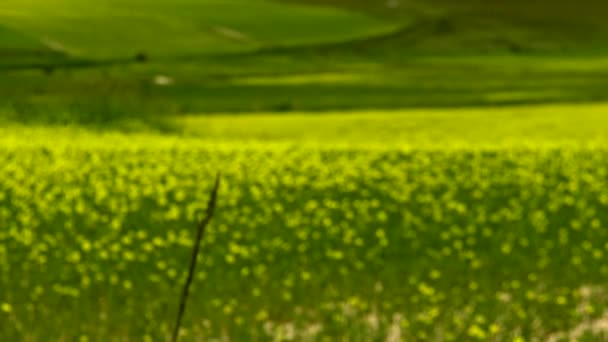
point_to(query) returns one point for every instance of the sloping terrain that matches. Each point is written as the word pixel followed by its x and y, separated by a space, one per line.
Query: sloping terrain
pixel 17 47
pixel 213 56
pixel 12 40
pixel 119 29
pixel 496 26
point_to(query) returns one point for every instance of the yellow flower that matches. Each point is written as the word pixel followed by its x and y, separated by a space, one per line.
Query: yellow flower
pixel 6 307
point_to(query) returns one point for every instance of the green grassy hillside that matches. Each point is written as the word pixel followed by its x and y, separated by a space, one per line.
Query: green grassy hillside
pixel 241 56
pixel 391 170
pixel 18 48
pixel 466 26
pixel 11 40
pixel 110 28
pixel 296 81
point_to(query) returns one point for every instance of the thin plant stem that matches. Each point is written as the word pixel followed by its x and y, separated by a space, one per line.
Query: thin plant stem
pixel 202 225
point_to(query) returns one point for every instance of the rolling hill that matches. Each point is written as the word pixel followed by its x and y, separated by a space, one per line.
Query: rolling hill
pixel 293 55
pixel 119 29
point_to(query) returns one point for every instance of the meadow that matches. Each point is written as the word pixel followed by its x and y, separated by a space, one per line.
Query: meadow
pixel 391 171
pixel 102 65
pixel 501 239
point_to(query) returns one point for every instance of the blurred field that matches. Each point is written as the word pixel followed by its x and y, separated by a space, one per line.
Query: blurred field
pixel 399 170
pixel 114 29
pixel 313 239
pixel 537 125
pixel 98 64
pixel 273 83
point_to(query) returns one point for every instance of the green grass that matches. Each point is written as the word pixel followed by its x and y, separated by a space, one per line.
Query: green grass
pixel 10 40
pixel 313 237
pixel 110 29
pixel 440 128
pixel 321 59
pixel 17 48
pixel 575 125
pixel 435 171
pixel 297 82
pixel 520 27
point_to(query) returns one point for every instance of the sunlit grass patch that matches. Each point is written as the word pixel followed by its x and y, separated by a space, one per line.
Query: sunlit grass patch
pixel 300 79
pixel 441 128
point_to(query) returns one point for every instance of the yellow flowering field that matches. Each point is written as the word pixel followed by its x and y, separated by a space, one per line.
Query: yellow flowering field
pixel 308 243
